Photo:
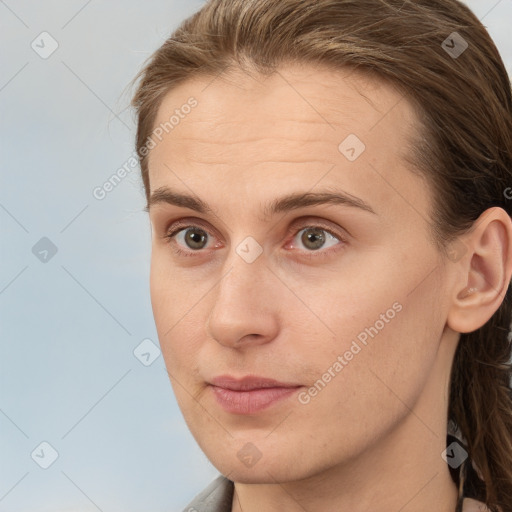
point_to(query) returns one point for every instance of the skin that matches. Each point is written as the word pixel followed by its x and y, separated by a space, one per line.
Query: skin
pixel 372 438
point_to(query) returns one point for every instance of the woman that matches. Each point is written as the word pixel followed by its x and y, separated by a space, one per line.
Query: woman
pixel 332 251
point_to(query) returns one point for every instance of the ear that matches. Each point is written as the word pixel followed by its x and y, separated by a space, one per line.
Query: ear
pixel 486 270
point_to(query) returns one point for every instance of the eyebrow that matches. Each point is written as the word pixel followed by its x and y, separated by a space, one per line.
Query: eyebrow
pixel 165 195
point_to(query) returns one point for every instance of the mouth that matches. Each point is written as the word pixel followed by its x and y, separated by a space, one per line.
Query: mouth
pixel 250 394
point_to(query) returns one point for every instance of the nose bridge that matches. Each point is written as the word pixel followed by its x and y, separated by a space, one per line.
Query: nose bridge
pixel 236 289
pixel 247 272
pixel 243 307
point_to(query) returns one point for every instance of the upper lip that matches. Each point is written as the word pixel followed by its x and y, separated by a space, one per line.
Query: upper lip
pixel 248 383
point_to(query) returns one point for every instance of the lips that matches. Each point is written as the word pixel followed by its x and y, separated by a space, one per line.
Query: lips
pixel 250 394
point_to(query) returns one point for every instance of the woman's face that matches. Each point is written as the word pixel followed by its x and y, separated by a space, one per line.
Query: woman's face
pixel 299 300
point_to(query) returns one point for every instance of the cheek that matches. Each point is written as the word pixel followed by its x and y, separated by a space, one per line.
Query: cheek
pixel 396 350
pixel 379 383
pixel 172 295
pixel 388 331
pixel 173 310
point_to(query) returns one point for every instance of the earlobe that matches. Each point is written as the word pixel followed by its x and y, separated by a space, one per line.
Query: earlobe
pixel 486 272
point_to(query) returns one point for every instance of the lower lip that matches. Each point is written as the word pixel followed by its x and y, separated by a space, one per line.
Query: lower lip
pixel 250 402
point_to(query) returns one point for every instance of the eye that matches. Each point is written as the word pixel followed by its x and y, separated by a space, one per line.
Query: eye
pixel 314 238
pixel 193 240
pixel 192 237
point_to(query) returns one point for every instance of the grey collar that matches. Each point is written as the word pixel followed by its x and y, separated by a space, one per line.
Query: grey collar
pixel 217 497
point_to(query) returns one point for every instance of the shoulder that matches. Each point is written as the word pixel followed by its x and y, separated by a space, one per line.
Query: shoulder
pixel 217 497
pixel 471 505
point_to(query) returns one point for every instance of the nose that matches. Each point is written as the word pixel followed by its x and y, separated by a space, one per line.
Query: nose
pixel 245 308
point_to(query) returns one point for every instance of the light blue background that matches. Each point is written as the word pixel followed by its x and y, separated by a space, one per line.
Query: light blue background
pixel 69 326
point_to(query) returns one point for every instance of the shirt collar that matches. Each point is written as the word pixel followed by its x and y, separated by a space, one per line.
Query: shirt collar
pixel 218 497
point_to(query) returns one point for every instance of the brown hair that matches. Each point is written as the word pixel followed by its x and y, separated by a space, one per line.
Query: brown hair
pixel 463 148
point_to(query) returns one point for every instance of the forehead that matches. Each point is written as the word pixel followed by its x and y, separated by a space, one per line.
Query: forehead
pixel 291 127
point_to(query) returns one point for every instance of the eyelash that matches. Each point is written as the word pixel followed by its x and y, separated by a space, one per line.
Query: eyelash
pixel 294 231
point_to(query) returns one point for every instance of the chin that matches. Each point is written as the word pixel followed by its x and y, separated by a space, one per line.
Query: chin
pixel 268 469
pixel 264 474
